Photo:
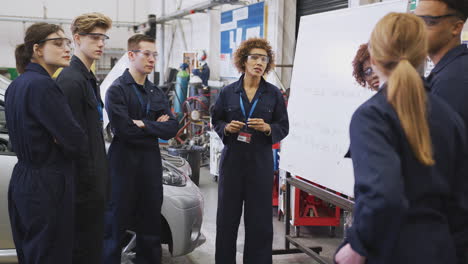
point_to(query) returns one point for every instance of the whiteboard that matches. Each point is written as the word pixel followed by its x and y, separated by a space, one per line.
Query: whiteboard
pixel 324 94
pixel 118 69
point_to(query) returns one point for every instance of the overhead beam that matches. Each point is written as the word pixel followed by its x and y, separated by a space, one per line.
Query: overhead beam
pixel 198 8
pixel 26 19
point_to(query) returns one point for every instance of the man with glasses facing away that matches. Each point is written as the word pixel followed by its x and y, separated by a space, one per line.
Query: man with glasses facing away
pixel 444 21
pixel 139 114
pixel 80 87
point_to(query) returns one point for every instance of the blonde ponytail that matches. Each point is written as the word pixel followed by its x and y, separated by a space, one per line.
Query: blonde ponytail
pixel 398 45
pixel 407 95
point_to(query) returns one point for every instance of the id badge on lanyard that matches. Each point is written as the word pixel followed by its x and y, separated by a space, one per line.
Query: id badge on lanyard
pixel 245 135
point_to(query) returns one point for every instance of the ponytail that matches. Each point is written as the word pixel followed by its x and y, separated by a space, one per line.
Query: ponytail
pixel 407 95
pixel 23 57
pixel 398 45
pixel 34 34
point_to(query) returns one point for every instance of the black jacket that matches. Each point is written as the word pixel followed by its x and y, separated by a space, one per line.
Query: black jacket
pixel 41 127
pixel 80 87
pixel 271 108
pixel 405 211
pixel 449 81
pixel 123 106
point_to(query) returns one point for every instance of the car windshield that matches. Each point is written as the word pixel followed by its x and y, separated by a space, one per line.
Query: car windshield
pixel 4 82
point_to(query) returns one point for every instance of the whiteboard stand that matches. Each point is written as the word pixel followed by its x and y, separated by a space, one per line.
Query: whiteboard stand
pixel 330 100
pixel 320 193
pixel 311 251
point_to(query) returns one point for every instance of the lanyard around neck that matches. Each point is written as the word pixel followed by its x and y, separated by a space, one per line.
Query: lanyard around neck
pixel 140 98
pixel 251 109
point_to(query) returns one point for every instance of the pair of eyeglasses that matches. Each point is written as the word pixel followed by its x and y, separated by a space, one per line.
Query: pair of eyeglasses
pixel 95 36
pixel 147 53
pixel 368 72
pixel 434 20
pixel 59 42
pixel 256 57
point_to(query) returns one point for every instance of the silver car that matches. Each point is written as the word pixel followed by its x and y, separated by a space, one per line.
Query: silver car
pixel 182 208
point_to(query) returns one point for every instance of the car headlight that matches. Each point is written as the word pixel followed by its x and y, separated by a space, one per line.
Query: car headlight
pixel 173 177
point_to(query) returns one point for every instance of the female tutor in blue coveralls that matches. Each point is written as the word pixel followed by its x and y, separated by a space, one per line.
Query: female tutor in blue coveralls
pixel 46 139
pixel 250 115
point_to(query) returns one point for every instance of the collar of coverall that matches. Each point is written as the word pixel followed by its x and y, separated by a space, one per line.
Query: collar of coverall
pixel 240 85
pixel 75 61
pixel 450 56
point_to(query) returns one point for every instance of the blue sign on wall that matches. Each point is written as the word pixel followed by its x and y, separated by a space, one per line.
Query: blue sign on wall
pixel 238 25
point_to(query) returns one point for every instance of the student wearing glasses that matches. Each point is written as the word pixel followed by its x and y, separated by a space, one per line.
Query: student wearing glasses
pixel 249 116
pixel 444 20
pixel 80 87
pixel 363 73
pixel 139 115
pixel 362 70
pixel 45 137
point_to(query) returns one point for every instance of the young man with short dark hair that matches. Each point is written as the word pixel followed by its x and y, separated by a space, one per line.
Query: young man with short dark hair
pixel 139 114
pixel 444 21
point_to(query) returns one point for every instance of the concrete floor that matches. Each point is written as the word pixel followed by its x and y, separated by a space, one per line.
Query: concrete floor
pixel 313 236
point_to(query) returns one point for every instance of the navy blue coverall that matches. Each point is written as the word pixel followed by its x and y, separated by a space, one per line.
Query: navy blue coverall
pixel 91 182
pixel 135 167
pixel 449 81
pixel 46 138
pixel 246 172
pixel 403 209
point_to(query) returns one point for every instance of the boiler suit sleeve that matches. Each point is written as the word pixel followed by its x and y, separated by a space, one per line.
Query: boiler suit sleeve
pixel 55 115
pixel 280 124
pixel 380 204
pixel 165 130
pixel 457 205
pixel 218 117
pixel 121 122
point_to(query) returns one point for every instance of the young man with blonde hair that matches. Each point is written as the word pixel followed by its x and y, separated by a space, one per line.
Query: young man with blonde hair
pixel 80 87
pixel 139 114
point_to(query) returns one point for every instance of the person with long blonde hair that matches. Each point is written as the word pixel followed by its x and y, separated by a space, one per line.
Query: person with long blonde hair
pixel 408 150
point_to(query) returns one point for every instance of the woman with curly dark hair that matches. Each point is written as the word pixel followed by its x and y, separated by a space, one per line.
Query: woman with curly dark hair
pixel 362 70
pixel 249 116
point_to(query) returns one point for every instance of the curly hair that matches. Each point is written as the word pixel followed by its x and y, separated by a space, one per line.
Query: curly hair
pixel 362 56
pixel 240 56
